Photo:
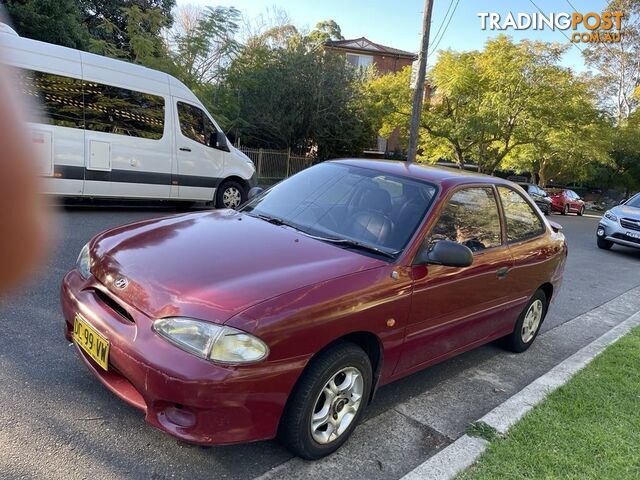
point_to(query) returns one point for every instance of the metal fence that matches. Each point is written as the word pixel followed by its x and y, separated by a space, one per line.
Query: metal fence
pixel 275 165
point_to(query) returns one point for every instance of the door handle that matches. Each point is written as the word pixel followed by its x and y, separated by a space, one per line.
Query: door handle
pixel 502 272
pixel 185 149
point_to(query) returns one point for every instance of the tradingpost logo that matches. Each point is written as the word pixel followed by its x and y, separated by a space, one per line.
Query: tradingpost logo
pixel 585 27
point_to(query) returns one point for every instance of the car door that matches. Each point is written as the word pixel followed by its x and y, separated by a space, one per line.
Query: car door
pixel 200 162
pixel 453 308
pixel 525 235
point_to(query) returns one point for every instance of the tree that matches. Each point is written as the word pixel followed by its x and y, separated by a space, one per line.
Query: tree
pixel 203 43
pixel 617 63
pixel 488 103
pixel 624 168
pixel 295 97
pixel 324 31
pixel 52 21
pixel 129 29
pixel 573 139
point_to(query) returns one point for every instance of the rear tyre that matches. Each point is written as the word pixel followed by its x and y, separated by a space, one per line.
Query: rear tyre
pixel 604 243
pixel 327 403
pixel 528 324
pixel 230 194
pixel 565 210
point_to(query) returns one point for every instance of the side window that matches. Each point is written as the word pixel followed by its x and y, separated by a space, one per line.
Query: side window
pixel 122 111
pixel 522 221
pixel 196 125
pixel 191 124
pixel 60 98
pixel 471 218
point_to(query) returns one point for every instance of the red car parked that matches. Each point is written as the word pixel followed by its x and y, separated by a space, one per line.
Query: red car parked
pixel 567 201
pixel 285 317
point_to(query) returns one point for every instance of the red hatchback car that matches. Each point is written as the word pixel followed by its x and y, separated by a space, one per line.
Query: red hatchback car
pixel 283 318
pixel 567 201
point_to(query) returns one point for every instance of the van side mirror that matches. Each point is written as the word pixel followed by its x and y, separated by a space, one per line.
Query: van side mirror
pixel 447 253
pixel 219 140
pixel 254 192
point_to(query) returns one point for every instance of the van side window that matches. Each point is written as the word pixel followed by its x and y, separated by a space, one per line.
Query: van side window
pixel 196 125
pixel 122 111
pixel 60 98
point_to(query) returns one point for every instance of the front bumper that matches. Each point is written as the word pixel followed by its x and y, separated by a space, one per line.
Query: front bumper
pixel 616 233
pixel 190 398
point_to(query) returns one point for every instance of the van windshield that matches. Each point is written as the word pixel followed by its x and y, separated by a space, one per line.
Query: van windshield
pixel 353 204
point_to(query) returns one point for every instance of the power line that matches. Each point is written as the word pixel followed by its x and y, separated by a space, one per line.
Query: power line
pixel 443 20
pixel 437 42
pixel 562 32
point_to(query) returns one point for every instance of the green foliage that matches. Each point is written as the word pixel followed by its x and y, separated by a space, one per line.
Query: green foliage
pixel 295 97
pixel 128 29
pixel 52 21
pixel 324 31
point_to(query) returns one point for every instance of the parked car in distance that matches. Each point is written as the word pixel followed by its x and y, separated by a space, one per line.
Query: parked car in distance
pixel 566 201
pixel 283 318
pixel 539 196
pixel 620 225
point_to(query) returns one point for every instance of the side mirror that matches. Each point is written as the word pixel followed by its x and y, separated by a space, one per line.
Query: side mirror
pixel 219 140
pixel 254 192
pixel 447 253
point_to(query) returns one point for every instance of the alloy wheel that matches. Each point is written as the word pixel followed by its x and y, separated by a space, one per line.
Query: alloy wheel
pixel 337 405
pixel 531 321
pixel 231 197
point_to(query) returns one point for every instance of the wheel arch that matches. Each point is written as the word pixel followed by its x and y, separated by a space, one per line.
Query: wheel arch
pixel 547 288
pixel 236 178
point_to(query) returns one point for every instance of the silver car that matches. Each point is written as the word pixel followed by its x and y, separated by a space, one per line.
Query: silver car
pixel 620 225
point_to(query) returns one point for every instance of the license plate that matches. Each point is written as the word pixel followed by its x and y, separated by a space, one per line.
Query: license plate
pixel 634 235
pixel 89 340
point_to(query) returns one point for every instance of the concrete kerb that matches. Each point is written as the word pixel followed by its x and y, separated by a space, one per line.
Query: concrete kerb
pixel 462 453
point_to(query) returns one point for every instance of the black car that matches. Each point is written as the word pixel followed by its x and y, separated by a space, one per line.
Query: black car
pixel 539 196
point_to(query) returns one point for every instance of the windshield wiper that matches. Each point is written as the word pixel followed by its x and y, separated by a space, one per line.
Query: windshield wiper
pixel 345 242
pixel 273 220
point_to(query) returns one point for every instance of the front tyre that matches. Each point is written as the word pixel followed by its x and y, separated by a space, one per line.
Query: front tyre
pixel 230 194
pixel 604 243
pixel 581 211
pixel 327 403
pixel 528 325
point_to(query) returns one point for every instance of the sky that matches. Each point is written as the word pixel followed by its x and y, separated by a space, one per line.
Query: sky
pixel 398 23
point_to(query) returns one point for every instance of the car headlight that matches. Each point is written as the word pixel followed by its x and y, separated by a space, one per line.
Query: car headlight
pixel 610 216
pixel 83 263
pixel 210 341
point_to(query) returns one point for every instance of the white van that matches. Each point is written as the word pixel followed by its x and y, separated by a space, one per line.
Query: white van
pixel 119 130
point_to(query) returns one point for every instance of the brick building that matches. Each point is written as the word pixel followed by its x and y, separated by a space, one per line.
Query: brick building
pixel 362 52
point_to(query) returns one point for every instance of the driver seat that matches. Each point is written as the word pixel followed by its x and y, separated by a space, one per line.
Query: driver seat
pixel 370 221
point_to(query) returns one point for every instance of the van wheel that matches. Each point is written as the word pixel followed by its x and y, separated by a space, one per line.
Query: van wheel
pixel 230 195
pixel 327 402
pixel 528 324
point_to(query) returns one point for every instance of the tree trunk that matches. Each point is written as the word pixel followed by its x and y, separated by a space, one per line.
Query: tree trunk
pixel 459 157
pixel 542 174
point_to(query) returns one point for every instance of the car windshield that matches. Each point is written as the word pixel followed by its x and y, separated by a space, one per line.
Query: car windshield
pixel 634 202
pixel 353 207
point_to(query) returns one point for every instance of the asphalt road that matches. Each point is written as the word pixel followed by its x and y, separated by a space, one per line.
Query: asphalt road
pixel 57 421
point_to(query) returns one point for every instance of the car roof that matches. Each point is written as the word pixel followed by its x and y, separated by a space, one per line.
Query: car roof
pixel 448 177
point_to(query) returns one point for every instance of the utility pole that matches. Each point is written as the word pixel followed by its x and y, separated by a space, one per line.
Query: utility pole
pixel 418 92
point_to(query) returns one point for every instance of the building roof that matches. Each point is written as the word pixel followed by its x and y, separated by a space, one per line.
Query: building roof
pixel 365 45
